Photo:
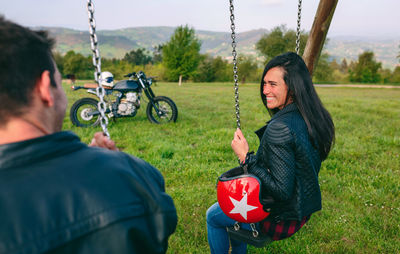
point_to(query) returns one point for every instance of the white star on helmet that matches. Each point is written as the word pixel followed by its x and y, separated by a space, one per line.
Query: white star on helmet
pixel 241 206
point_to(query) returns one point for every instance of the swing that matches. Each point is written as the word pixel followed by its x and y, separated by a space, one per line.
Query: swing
pixel 235 232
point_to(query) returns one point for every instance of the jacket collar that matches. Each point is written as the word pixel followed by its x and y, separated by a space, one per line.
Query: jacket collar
pixel 287 109
pixel 38 149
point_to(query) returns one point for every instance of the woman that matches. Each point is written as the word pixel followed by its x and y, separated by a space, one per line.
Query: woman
pixel 293 144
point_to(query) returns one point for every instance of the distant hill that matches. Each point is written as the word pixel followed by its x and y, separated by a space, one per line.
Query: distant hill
pixel 115 43
pixel 386 50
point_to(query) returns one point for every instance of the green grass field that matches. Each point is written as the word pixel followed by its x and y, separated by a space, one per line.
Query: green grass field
pixel 360 180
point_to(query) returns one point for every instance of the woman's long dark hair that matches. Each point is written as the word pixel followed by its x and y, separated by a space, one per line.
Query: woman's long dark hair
pixel 301 89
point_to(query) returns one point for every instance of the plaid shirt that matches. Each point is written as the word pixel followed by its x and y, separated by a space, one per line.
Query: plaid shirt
pixel 283 229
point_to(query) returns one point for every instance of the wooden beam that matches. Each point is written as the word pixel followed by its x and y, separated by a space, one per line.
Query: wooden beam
pixel 320 27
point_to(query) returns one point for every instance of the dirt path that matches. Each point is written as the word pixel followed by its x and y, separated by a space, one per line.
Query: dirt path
pixel 360 86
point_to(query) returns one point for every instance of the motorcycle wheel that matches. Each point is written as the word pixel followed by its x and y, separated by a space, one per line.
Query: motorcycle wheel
pixel 169 111
pixel 79 113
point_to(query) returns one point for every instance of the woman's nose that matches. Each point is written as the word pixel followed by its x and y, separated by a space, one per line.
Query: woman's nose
pixel 265 89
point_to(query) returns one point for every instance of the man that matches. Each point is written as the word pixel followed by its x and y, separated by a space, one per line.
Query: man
pixel 57 195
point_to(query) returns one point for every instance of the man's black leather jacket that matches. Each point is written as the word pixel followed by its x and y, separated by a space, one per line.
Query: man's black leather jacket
pixel 57 195
pixel 287 165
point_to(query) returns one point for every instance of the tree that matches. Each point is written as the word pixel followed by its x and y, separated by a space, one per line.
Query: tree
pixel 157 54
pixel 213 69
pixel 59 59
pixel 323 71
pixel 247 67
pixel 395 75
pixel 223 70
pixel 279 41
pixel 181 54
pixel 137 57
pixel 344 68
pixel 78 65
pixel 205 71
pixel 385 75
pixel 339 72
pixel 117 67
pixel 334 65
pixel 366 69
pixel 398 56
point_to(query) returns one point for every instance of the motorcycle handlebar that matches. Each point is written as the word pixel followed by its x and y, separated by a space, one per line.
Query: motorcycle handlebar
pixel 130 75
pixel 139 75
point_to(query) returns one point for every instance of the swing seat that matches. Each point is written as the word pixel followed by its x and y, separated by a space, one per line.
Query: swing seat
pixel 247 236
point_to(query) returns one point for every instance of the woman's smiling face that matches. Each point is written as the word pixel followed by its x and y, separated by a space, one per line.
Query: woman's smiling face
pixel 275 88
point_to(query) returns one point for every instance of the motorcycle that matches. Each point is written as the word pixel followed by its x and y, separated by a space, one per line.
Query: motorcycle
pixel 123 100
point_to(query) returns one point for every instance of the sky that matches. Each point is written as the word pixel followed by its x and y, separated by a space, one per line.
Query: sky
pixel 352 17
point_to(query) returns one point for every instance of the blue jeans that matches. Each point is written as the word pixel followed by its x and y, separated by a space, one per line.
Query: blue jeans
pixel 218 238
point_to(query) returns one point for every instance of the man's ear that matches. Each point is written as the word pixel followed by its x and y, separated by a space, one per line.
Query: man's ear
pixel 43 86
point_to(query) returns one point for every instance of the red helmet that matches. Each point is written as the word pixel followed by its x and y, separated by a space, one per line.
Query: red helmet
pixel 239 196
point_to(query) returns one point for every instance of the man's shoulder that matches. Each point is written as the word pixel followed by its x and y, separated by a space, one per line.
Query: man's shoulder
pixel 118 160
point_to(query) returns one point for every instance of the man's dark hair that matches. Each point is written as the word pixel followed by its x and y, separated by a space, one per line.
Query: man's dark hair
pixel 301 89
pixel 24 55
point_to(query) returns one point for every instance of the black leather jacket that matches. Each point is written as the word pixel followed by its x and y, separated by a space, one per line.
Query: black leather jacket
pixel 57 195
pixel 287 165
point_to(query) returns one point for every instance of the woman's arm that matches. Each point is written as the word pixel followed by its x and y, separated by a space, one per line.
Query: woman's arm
pixel 277 173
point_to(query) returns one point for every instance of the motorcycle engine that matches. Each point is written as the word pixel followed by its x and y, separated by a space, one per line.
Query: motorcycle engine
pixel 129 104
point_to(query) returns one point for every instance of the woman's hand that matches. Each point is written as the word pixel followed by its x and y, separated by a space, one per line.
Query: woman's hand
pixel 100 140
pixel 240 145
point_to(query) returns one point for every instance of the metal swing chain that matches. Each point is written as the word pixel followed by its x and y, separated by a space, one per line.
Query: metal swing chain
pixel 100 91
pixel 254 230
pixel 298 27
pixel 235 68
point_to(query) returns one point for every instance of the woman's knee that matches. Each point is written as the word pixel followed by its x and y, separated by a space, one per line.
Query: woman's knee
pixel 212 212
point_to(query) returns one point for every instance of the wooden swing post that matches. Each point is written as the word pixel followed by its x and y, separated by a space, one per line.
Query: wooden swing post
pixel 319 30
